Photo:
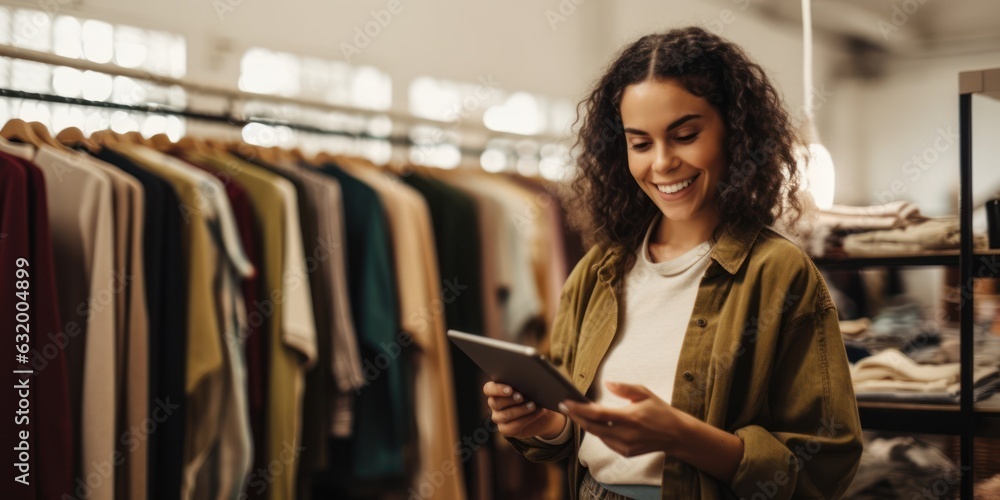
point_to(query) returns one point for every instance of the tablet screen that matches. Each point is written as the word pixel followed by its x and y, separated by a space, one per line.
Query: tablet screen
pixel 520 367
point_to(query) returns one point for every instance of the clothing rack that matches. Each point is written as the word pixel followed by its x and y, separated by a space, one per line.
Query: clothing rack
pixel 233 95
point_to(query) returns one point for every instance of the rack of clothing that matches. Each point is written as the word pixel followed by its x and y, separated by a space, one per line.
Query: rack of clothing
pixel 217 319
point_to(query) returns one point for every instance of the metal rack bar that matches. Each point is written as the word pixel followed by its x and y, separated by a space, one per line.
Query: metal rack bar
pixel 224 118
pixel 966 403
pixel 234 94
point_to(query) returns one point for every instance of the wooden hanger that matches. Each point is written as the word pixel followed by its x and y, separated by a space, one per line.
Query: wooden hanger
pixel 43 133
pixel 161 142
pixel 18 130
pixel 193 144
pixel 322 158
pixel 73 136
pixel 104 138
pixel 296 155
pixel 135 138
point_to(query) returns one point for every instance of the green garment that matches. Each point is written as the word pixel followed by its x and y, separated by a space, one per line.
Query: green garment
pixel 384 415
pixel 762 358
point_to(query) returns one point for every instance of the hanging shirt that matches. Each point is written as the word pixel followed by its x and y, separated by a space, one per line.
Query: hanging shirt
pixel 132 330
pixel 382 412
pixel 53 449
pixel 286 282
pixel 204 380
pixel 421 307
pixel 82 224
pixel 165 292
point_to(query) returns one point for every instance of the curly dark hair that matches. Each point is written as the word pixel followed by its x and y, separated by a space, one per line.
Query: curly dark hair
pixel 760 139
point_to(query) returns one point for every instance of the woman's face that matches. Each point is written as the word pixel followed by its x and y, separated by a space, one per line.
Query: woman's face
pixel 675 148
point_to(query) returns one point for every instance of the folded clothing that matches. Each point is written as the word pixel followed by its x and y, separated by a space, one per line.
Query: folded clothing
pixel 893 365
pixel 855 328
pixel 898 324
pixel 901 467
pixel 929 235
pixel 889 215
pixel 891 372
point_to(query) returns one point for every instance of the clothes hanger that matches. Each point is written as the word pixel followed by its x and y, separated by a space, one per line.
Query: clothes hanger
pixel 104 138
pixel 43 133
pixel 135 138
pixel 18 130
pixel 296 154
pixel 321 158
pixel 73 136
pixel 161 142
pixel 217 144
pixel 194 144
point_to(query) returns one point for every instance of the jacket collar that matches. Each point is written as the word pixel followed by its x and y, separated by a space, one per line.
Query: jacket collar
pixel 734 245
pixel 731 250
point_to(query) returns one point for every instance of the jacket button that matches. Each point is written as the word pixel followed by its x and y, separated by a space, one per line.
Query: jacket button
pixel 701 322
pixel 688 376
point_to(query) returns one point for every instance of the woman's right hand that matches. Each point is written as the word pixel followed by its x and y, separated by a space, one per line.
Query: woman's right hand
pixel 517 418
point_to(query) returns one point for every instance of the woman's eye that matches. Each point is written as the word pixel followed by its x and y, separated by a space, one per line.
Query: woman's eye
pixel 687 138
pixel 640 146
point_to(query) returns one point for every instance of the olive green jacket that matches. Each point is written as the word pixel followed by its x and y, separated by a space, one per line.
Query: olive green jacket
pixel 762 358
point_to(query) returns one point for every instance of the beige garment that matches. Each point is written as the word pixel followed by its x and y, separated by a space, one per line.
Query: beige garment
pixel 298 322
pixel 535 222
pixel 324 195
pixel 855 328
pixel 893 364
pixel 894 214
pixel 20 150
pixel 931 235
pixel 132 333
pixel 491 232
pixel 421 312
pixel 516 247
pixel 548 256
pixel 82 223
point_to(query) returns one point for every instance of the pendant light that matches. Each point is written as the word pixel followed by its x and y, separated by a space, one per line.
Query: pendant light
pixel 815 163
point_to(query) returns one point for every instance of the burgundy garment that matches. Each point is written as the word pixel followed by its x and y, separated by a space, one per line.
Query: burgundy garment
pixel 55 428
pixel 15 244
pixel 253 338
pixel 256 319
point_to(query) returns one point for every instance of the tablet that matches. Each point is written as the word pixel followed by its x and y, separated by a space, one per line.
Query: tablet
pixel 520 367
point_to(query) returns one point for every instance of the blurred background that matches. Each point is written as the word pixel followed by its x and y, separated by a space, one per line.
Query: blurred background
pixel 485 86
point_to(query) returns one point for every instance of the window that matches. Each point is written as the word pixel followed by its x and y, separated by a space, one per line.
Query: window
pixel 280 73
pixel 517 112
pixel 157 52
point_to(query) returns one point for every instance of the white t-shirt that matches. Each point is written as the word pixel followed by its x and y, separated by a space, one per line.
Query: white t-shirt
pixel 657 302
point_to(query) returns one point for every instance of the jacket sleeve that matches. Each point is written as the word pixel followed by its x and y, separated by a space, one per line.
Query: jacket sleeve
pixel 565 329
pixel 807 442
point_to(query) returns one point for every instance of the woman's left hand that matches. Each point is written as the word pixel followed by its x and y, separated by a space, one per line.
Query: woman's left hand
pixel 647 425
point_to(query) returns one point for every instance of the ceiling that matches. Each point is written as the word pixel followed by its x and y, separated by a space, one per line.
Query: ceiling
pixel 900 27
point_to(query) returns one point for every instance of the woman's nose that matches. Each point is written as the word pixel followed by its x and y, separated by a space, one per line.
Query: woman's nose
pixel 664 161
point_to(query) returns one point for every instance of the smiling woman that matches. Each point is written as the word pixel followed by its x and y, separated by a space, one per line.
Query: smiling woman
pixel 708 343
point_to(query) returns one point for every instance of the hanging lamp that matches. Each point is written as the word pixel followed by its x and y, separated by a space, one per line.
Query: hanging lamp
pixel 815 162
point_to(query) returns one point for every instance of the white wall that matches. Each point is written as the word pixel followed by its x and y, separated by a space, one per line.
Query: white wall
pixel 885 123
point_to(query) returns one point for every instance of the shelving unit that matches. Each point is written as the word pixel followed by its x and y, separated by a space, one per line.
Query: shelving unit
pixel 988 261
pixel 962 419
